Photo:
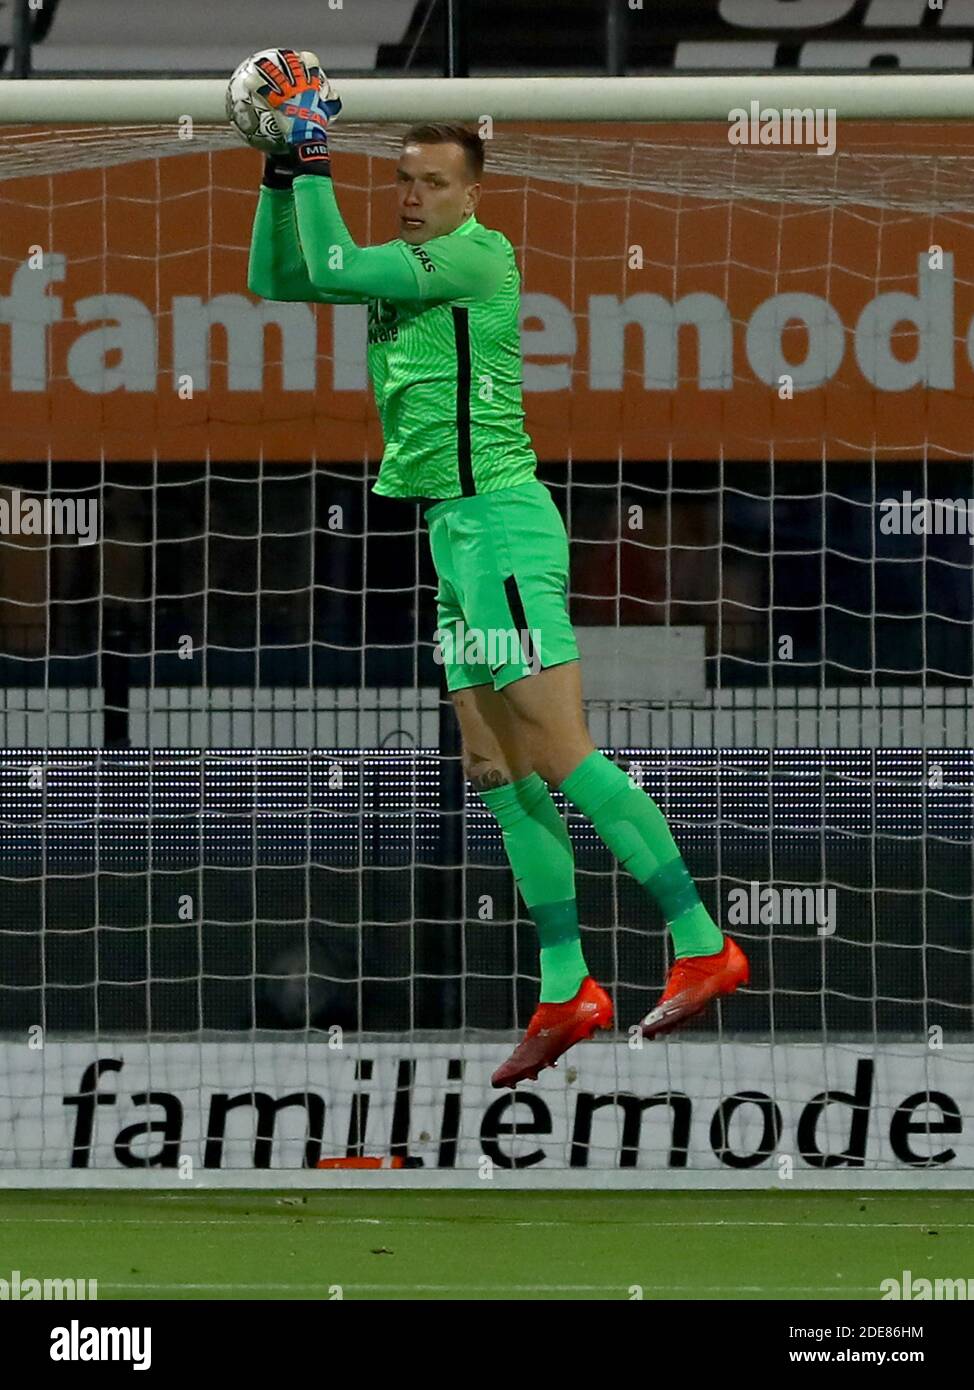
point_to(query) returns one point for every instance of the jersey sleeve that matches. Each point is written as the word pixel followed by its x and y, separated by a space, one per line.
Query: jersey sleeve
pixel 445 269
pixel 457 268
pixel 277 268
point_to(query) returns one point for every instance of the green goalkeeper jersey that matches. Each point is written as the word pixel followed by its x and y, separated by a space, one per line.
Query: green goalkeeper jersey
pixel 444 351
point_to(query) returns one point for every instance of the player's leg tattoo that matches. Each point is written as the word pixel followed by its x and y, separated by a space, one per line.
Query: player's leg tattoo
pixel 483 775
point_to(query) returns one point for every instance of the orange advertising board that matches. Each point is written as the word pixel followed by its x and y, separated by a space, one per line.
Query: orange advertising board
pixel 712 318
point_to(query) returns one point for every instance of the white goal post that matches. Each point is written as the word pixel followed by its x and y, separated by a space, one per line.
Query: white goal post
pixel 899 96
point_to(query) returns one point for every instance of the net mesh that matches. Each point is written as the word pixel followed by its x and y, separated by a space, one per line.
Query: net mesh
pixel 895 167
pixel 239 860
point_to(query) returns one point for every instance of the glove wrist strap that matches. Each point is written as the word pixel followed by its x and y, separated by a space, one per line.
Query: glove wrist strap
pixel 279 172
pixel 313 157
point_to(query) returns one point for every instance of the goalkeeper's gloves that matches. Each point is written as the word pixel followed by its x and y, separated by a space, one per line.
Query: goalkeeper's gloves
pixel 304 103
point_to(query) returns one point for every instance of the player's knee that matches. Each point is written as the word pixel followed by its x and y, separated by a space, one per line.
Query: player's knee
pixel 549 765
pixel 542 766
pixel 554 761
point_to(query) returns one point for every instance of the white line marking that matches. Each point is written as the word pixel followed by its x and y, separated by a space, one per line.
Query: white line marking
pixel 621 1289
pixel 310 1219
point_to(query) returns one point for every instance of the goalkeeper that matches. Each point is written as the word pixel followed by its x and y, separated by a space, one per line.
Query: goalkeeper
pixel 445 365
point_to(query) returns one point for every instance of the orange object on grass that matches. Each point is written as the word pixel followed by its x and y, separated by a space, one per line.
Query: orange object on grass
pixel 376 1161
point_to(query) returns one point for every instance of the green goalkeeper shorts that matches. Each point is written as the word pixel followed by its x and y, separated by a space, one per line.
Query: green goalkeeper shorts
pixel 502 605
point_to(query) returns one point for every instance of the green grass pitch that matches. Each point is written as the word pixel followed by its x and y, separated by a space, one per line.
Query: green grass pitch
pixel 482 1245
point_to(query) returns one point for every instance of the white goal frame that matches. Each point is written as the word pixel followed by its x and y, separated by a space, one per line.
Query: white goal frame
pixel 853 96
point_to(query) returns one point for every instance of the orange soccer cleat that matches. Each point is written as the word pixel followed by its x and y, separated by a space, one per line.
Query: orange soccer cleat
pixel 692 983
pixel 553 1029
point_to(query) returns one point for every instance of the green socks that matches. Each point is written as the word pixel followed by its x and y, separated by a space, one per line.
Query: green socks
pixel 540 854
pixel 635 830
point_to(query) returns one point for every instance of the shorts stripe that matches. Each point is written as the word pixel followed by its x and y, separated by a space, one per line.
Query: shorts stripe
pixel 520 621
pixel 461 333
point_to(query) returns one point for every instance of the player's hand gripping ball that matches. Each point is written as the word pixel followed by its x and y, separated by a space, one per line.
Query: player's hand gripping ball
pixel 277 98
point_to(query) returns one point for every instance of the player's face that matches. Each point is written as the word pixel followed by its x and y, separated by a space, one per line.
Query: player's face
pixel 434 191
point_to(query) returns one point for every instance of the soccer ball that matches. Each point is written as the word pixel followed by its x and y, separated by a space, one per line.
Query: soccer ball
pixel 247 110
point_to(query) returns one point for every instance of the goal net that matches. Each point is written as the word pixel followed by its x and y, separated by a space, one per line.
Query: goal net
pixel 250 917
